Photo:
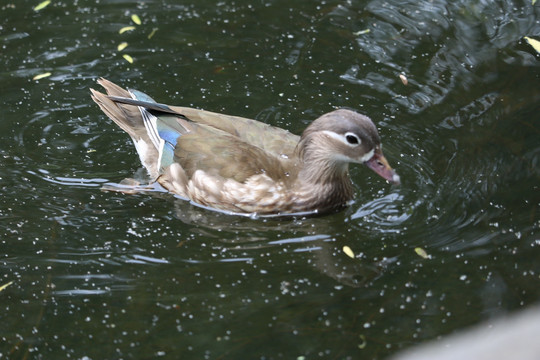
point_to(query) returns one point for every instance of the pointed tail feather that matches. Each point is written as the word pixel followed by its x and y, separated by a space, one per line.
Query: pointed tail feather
pixel 127 117
pixel 115 113
pixel 130 119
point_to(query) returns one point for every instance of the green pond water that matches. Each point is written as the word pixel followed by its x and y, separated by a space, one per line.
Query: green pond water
pixel 89 274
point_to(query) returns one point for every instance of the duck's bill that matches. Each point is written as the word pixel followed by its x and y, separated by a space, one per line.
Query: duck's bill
pixel 379 164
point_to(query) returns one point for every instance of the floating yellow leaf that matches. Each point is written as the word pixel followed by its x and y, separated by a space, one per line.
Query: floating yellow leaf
pixel 347 250
pixel 41 76
pixel 363 344
pixel 128 58
pixel 126 28
pixel 403 79
pixel 361 32
pixel 533 2
pixel 122 46
pixel 3 287
pixel 534 43
pixel 152 33
pixel 42 5
pixel 136 19
pixel 421 252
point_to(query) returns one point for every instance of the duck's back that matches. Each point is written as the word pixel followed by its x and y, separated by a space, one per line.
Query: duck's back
pixel 274 140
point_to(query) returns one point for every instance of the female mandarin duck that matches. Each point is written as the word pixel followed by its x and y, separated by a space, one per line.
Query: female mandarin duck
pixel 245 166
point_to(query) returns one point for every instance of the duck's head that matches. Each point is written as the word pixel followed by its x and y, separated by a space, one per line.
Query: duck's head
pixel 344 136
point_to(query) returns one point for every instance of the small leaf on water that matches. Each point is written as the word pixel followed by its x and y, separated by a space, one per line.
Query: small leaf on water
pixel 122 46
pixel 347 250
pixel 152 33
pixel 422 253
pixel 126 28
pixel 533 2
pixel 42 5
pixel 128 58
pixel 41 76
pixel 3 287
pixel 361 32
pixel 136 19
pixel 403 79
pixel 534 43
pixel 363 344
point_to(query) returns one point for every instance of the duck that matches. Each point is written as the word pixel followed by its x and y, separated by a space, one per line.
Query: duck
pixel 239 165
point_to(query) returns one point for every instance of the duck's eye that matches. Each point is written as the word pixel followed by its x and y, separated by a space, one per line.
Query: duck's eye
pixel 352 139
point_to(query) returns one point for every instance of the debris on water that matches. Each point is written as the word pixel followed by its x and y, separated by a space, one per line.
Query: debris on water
pixel 136 19
pixel 152 33
pixel 363 344
pixel 41 76
pixel 361 32
pixel 347 250
pixel 422 253
pixel 126 28
pixel 403 79
pixel 42 5
pixel 534 43
pixel 3 287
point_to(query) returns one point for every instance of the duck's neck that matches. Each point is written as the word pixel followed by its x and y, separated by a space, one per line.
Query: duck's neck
pixel 324 182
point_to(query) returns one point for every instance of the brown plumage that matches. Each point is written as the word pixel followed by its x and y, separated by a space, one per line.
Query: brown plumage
pixel 245 166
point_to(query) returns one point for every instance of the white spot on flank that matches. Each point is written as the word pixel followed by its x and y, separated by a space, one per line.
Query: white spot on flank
pixel 144 151
pixel 142 148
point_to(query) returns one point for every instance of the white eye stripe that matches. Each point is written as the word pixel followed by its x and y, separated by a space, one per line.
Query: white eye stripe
pixel 344 138
pixel 367 156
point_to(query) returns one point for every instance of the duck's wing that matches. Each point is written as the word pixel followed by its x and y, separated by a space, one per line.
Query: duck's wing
pixel 273 140
pixel 217 152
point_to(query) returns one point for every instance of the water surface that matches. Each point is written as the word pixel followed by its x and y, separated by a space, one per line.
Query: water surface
pixel 104 275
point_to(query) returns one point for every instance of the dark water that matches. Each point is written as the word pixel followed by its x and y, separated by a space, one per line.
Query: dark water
pixel 100 275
